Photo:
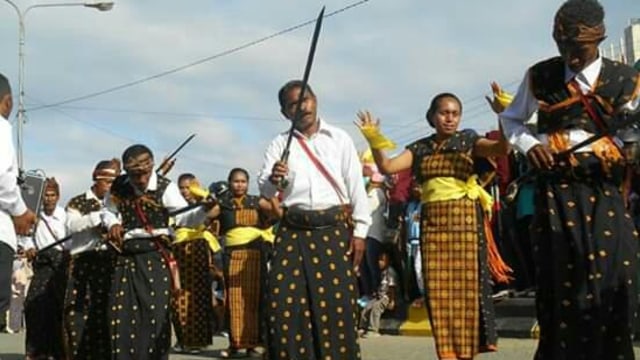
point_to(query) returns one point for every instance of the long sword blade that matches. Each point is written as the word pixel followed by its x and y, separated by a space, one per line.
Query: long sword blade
pixel 184 143
pixel 305 81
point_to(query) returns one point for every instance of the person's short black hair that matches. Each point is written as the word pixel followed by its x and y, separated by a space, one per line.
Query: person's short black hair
pixel 435 103
pixel 587 12
pixel 237 170
pixel 5 87
pixel 293 84
pixel 134 151
pixel 185 176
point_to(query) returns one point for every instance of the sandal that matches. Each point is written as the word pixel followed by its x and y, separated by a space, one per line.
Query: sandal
pixel 231 353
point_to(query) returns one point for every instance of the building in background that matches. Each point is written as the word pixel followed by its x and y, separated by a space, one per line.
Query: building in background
pixel 632 41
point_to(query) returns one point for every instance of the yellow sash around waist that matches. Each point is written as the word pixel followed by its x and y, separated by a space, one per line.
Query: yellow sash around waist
pixel 201 232
pixel 246 234
pixel 449 188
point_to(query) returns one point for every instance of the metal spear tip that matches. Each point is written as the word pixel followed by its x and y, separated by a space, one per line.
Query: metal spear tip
pixel 100 5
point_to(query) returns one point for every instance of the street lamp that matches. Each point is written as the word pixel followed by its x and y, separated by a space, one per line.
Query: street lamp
pixel 99 5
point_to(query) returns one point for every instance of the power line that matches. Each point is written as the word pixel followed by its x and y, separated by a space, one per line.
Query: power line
pixel 123 137
pixel 197 62
pixel 191 115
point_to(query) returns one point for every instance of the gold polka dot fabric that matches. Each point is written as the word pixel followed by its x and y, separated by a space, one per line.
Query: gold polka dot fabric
pixel 192 306
pixel 44 303
pixel 139 303
pixel 311 307
pixel 86 325
pixel 585 250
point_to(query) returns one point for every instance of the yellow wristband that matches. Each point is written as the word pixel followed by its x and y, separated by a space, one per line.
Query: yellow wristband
pixel 504 98
pixel 376 139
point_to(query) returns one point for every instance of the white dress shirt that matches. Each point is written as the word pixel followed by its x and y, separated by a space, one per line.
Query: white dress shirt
pixel 11 202
pixel 378 206
pixel 171 199
pixel 525 104
pixel 85 229
pixel 308 189
pixel 45 236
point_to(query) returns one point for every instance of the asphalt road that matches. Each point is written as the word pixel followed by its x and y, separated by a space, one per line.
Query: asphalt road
pixel 380 348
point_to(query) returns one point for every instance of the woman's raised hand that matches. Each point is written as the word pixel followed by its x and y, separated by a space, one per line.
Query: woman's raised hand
pixel 365 120
pixel 500 98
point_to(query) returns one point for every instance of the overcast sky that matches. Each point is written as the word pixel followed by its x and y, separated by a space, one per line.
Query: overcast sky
pixel 389 56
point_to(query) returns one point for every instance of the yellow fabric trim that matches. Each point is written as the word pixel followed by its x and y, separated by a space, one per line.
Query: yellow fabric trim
pixel 190 234
pixel 367 157
pixel 376 139
pixel 504 98
pixel 197 191
pixel 246 234
pixel 449 188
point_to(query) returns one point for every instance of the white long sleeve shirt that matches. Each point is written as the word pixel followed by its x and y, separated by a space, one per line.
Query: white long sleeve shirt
pixel 11 202
pixel 45 236
pixel 85 229
pixel 308 189
pixel 525 104
pixel 378 206
pixel 171 199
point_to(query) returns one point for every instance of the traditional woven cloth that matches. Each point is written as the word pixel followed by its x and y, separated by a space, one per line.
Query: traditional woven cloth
pixel 454 253
pixel 87 304
pixel 243 285
pixel 44 303
pixel 584 241
pixel 192 306
pixel 245 269
pixel 312 289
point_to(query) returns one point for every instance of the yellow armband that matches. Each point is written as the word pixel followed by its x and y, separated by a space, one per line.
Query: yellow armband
pixel 376 139
pixel 504 98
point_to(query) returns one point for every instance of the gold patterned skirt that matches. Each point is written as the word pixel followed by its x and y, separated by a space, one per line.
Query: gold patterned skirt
pixel 244 273
pixel 192 307
pixel 458 291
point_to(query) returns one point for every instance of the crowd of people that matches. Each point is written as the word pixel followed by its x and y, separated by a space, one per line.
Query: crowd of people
pixel 336 238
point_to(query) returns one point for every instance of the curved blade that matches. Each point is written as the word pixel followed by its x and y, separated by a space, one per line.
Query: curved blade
pixel 305 81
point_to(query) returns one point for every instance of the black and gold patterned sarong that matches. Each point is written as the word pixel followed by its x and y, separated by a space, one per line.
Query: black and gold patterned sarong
pixel 86 326
pixel 312 289
pixel 139 304
pixel 44 303
pixel 192 307
pixel 585 250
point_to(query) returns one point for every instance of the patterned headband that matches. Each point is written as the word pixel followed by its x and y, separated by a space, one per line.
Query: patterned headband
pixel 563 30
pixel 139 164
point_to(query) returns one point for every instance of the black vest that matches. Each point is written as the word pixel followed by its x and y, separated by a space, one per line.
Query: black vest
pixel 125 198
pixel 615 87
pixel 247 214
